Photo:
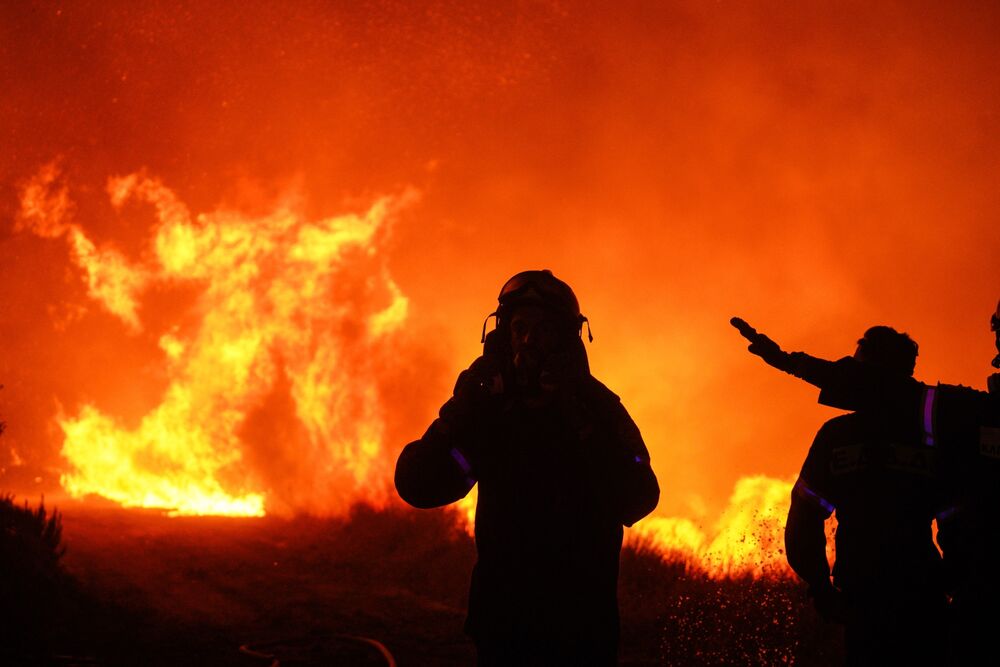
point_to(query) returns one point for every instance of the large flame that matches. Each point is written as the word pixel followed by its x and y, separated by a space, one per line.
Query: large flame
pixel 747 539
pixel 286 306
pixel 298 309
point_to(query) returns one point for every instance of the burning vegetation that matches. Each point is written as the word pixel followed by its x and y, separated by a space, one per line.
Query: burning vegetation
pixel 272 390
pixel 274 371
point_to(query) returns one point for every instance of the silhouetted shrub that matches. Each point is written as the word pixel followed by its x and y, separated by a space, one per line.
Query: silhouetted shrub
pixel 31 533
pixel 32 585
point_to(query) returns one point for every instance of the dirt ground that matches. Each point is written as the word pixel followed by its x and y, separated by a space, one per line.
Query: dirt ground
pixel 192 591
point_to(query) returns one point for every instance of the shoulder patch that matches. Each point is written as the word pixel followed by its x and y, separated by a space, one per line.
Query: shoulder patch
pixel 989 442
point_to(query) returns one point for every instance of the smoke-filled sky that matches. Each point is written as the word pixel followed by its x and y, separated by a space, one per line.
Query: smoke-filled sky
pixel 816 168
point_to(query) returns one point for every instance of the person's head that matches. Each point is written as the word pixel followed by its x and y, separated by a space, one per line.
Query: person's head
pixel 889 349
pixel 537 315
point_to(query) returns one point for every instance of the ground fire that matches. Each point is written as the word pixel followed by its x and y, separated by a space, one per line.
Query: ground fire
pixel 305 308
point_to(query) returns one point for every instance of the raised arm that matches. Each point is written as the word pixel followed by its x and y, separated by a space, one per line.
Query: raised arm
pixel 439 468
pixel 846 384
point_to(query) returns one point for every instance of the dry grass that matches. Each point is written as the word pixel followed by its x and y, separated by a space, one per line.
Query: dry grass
pixel 166 591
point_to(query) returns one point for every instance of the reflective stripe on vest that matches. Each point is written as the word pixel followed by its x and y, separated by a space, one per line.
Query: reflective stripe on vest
pixel 930 394
pixel 809 494
pixel 945 514
pixel 463 463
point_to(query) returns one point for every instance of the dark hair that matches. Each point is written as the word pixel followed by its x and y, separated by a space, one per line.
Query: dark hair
pixel 886 347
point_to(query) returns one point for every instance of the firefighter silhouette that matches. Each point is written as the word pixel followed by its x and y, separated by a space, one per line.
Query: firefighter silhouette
pixel 882 480
pixel 964 426
pixel 561 467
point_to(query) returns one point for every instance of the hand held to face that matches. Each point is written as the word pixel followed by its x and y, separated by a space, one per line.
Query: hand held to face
pixel 474 393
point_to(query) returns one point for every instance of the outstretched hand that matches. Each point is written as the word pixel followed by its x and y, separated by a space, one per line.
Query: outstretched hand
pixel 762 346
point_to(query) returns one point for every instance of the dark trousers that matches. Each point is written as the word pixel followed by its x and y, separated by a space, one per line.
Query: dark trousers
pixel 896 632
pixel 974 629
pixel 528 651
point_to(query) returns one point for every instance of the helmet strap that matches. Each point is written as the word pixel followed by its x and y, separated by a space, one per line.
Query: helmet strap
pixel 482 339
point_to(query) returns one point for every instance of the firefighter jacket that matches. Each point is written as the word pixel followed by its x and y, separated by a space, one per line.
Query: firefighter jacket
pixel 556 485
pixel 963 425
pixel 883 481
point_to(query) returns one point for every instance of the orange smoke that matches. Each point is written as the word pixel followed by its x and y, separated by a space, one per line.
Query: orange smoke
pixel 111 280
pixel 815 168
pixel 305 307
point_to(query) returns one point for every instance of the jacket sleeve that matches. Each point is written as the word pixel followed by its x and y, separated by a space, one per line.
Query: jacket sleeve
pixel 636 491
pixel 805 542
pixel 851 385
pixel 805 535
pixel 437 469
pixel 430 472
pixel 950 412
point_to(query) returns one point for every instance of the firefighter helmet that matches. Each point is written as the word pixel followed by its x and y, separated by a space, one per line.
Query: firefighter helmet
pixel 540 288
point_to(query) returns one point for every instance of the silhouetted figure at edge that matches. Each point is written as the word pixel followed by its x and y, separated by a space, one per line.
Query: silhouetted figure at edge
pixel 964 424
pixel 883 481
pixel 561 467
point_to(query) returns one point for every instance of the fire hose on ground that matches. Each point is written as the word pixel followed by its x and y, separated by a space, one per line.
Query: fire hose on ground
pixel 265 651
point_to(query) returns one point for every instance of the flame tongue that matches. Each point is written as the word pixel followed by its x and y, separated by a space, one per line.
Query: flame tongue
pixel 746 540
pixel 302 309
pixel 157 465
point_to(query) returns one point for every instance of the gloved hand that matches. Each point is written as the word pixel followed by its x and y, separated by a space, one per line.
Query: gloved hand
pixel 475 390
pixel 485 376
pixel 764 347
pixel 829 602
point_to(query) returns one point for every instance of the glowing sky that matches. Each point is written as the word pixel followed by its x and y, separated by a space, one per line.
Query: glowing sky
pixel 816 169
